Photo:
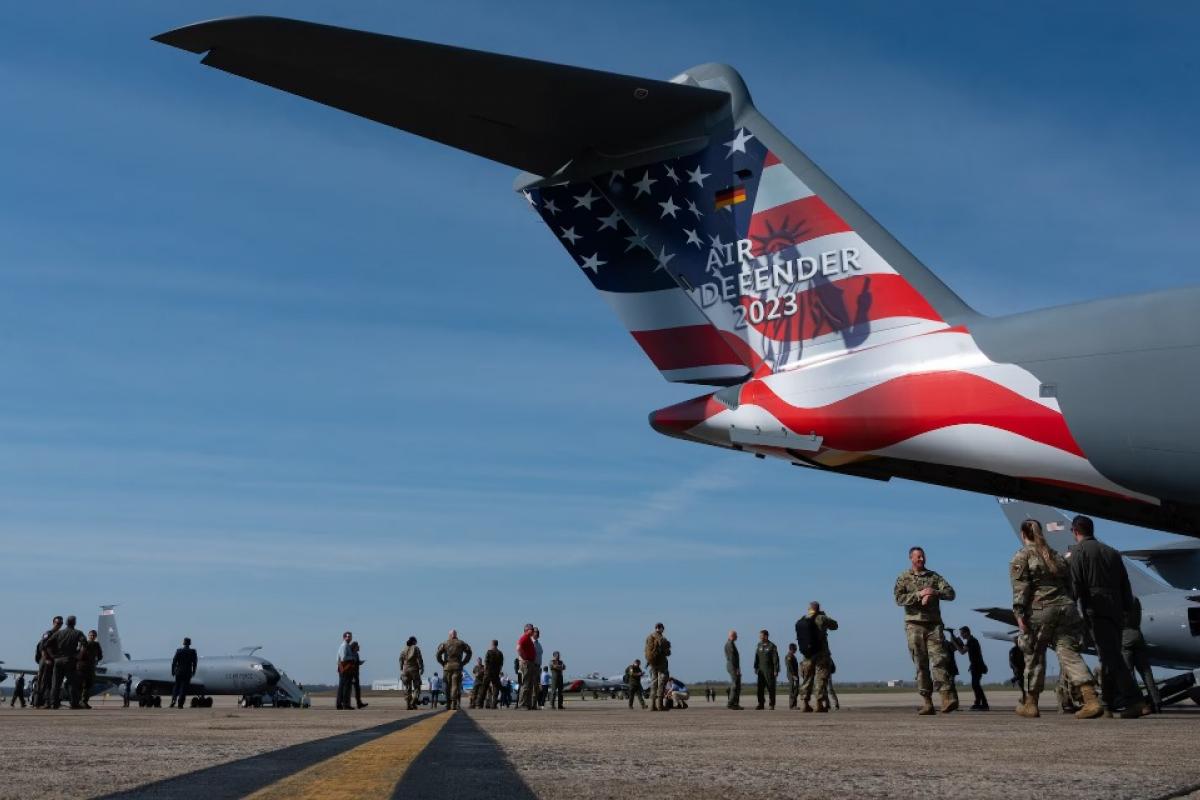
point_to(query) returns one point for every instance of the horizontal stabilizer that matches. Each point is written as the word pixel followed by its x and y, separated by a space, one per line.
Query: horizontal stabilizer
pixel 529 114
pixel 1178 563
pixel 1004 615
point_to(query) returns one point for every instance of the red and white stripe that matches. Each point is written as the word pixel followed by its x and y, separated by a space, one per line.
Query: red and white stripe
pixel 933 399
pixel 676 337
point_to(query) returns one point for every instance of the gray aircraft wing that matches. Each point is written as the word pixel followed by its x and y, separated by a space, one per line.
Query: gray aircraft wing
pixel 531 115
pixel 1004 615
pixel 1178 563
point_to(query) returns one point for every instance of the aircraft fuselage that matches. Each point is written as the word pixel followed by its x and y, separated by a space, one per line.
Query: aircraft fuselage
pixel 1084 406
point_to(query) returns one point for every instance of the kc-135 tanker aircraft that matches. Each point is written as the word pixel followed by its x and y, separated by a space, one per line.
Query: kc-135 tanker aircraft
pixel 736 263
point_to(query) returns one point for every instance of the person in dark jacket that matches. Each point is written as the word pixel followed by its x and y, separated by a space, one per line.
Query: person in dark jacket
pixel 183 668
pixel 1102 586
pixel 64 647
pixel 90 654
pixel 1016 662
pixel 733 665
pixel 45 663
pixel 970 645
pixel 18 692
pixel 355 681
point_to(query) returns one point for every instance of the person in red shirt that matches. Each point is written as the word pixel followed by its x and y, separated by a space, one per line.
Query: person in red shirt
pixel 527 654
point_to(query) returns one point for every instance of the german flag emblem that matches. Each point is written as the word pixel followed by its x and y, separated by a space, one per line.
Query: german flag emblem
pixel 730 197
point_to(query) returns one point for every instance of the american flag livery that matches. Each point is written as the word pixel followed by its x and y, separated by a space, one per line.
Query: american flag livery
pixel 849 361
pixel 782 277
pixel 663 320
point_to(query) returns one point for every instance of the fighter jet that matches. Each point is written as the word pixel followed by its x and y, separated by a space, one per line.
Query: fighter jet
pixel 244 674
pixel 735 262
pixel 595 683
pixel 1170 616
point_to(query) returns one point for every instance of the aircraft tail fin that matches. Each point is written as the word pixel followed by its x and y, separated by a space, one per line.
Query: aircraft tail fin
pixel 1056 527
pixel 773 252
pixel 109 638
pixel 673 333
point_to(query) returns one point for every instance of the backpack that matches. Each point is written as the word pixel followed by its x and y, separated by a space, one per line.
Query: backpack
pixel 808 636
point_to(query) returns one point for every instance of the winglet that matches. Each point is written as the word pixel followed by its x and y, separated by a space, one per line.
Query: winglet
pixel 532 115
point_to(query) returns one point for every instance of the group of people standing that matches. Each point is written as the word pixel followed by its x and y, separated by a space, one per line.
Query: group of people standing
pixel 806 679
pixel 1057 601
pixel 66 662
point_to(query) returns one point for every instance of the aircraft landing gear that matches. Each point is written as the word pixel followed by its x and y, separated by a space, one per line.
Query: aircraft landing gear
pixel 201 702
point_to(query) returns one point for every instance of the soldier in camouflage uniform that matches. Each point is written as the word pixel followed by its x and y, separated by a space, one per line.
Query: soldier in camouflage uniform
pixel 633 683
pixel 1044 604
pixel 479 686
pixel 793 673
pixel 658 649
pixel 920 592
pixel 412 666
pixel 452 654
pixel 819 666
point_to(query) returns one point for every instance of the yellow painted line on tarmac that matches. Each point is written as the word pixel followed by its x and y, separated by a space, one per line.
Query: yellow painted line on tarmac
pixel 371 770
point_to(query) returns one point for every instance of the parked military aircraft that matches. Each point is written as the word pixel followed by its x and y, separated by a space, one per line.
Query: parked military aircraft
pixel 243 674
pixel 1170 616
pixel 596 683
pixel 734 261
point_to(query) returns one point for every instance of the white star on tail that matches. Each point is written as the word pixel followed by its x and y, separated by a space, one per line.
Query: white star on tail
pixel 697 177
pixel 570 235
pixel 586 200
pixel 643 186
pixel 593 263
pixel 610 221
pixel 635 242
pixel 549 206
pixel 692 208
pixel 664 257
pixel 671 174
pixel 669 207
pixel 692 238
pixel 738 143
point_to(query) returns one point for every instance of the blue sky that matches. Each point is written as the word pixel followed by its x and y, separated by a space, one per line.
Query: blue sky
pixel 272 371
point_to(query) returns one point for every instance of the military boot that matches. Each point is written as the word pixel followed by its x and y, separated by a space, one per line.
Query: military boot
pixel 823 706
pixel 807 708
pixel 949 701
pixel 1091 703
pixel 926 706
pixel 1030 707
pixel 1133 710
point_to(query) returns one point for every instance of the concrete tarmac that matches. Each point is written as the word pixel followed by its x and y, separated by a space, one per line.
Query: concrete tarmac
pixel 875 747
